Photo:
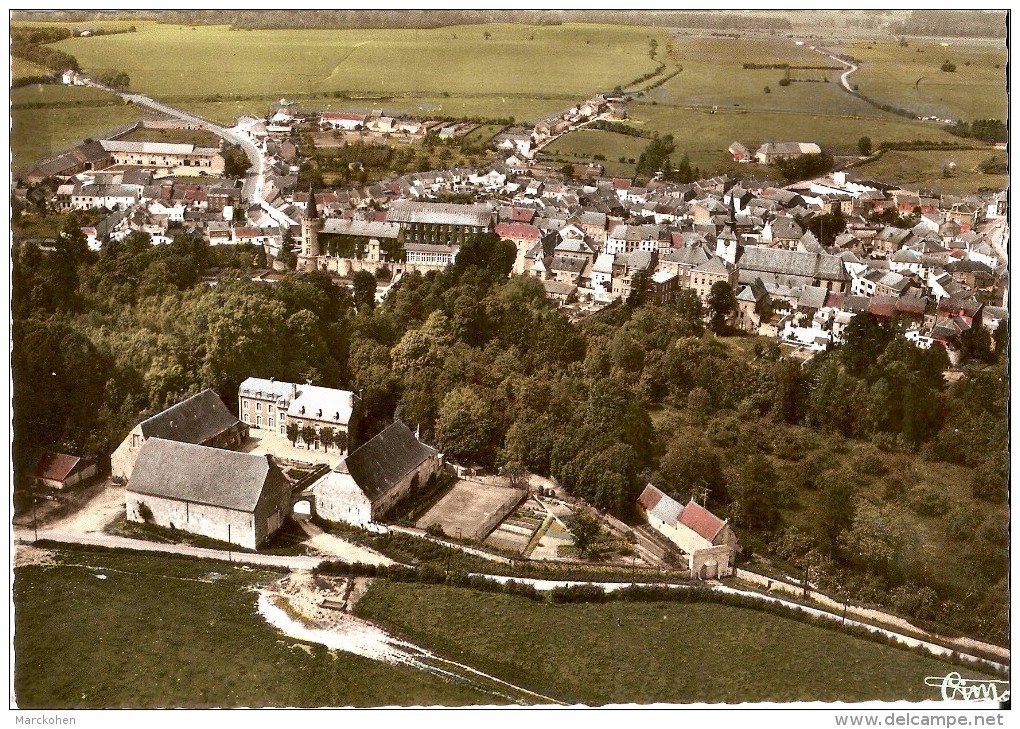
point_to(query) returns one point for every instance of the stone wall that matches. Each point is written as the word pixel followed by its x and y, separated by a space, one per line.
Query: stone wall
pixel 209 521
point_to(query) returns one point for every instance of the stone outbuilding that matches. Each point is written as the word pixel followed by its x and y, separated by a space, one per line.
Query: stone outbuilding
pixel 202 419
pixel 241 498
pixel 707 540
pixel 373 478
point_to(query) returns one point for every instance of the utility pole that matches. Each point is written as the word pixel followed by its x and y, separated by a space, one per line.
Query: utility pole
pixel 230 555
pixel 35 522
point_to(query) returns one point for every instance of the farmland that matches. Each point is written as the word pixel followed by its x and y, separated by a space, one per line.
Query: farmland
pixel 929 169
pixel 46 119
pixel 163 631
pixel 21 68
pixel 649 652
pixel 486 64
pixel 910 77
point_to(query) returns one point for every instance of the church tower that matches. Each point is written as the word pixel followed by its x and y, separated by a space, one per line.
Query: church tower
pixel 311 224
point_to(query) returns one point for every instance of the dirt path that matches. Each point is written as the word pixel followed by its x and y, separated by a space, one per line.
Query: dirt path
pixel 330 545
pixel 294 605
pixel 95 514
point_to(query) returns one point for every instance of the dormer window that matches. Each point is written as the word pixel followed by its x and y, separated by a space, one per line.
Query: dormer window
pixel 319 413
pixel 302 410
pixel 336 416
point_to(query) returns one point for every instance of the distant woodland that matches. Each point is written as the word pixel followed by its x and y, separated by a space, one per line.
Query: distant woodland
pixel 955 23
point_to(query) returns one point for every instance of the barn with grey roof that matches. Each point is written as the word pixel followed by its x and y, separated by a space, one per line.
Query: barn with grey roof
pixel 240 498
pixel 372 479
pixel 202 419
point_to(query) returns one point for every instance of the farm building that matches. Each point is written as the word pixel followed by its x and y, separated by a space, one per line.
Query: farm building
pixel 771 152
pixel 369 481
pixel 707 540
pixel 61 471
pixel 202 419
pixel 242 498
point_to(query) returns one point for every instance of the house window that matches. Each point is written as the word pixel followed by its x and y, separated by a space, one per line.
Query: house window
pixel 244 404
pixel 246 417
pixel 270 408
pixel 270 422
pixel 258 421
pixel 258 406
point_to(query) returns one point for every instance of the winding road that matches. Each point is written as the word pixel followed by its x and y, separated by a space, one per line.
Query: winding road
pixel 254 183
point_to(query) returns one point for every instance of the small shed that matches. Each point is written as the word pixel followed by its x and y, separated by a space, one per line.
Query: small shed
pixel 61 471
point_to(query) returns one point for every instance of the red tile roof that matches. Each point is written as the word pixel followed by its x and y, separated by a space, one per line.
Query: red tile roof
pixel 55 466
pixel 522 215
pixel 700 520
pixel 620 183
pixel 514 231
pixel 650 497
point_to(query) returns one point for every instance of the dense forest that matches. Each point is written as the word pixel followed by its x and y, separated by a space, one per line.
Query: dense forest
pixel 834 467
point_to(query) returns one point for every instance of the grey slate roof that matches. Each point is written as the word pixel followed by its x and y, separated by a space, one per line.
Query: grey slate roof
pixel 668 510
pixel 405 211
pixel 792 263
pixel 361 228
pixel 202 475
pixel 195 420
pixel 378 465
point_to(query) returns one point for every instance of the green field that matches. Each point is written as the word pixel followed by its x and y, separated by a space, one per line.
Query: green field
pixel 174 632
pixel 910 77
pixel 46 119
pixel 518 63
pixel 584 144
pixel 622 652
pixel 925 169
pixel 706 136
pixel 713 74
pixel 20 68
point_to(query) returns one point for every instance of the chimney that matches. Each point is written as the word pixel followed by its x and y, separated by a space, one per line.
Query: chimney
pixel 293 391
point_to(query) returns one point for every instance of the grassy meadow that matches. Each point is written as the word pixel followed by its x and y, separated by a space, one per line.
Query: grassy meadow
pixel 20 68
pixel 910 77
pixel 620 652
pixel 173 632
pixel 487 63
pixel 925 169
pixel 48 118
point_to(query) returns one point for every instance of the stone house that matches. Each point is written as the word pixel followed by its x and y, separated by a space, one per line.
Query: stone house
pixel 202 419
pixel 273 404
pixel 241 498
pixel 372 479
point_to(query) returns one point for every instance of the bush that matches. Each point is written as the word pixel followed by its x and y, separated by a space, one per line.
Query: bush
pixel 784 82
pixel 927 500
pixel 145 512
pixel 948 67
pixel 768 90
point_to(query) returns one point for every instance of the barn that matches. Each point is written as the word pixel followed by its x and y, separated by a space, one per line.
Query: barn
pixel 373 478
pixel 202 419
pixel 241 498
